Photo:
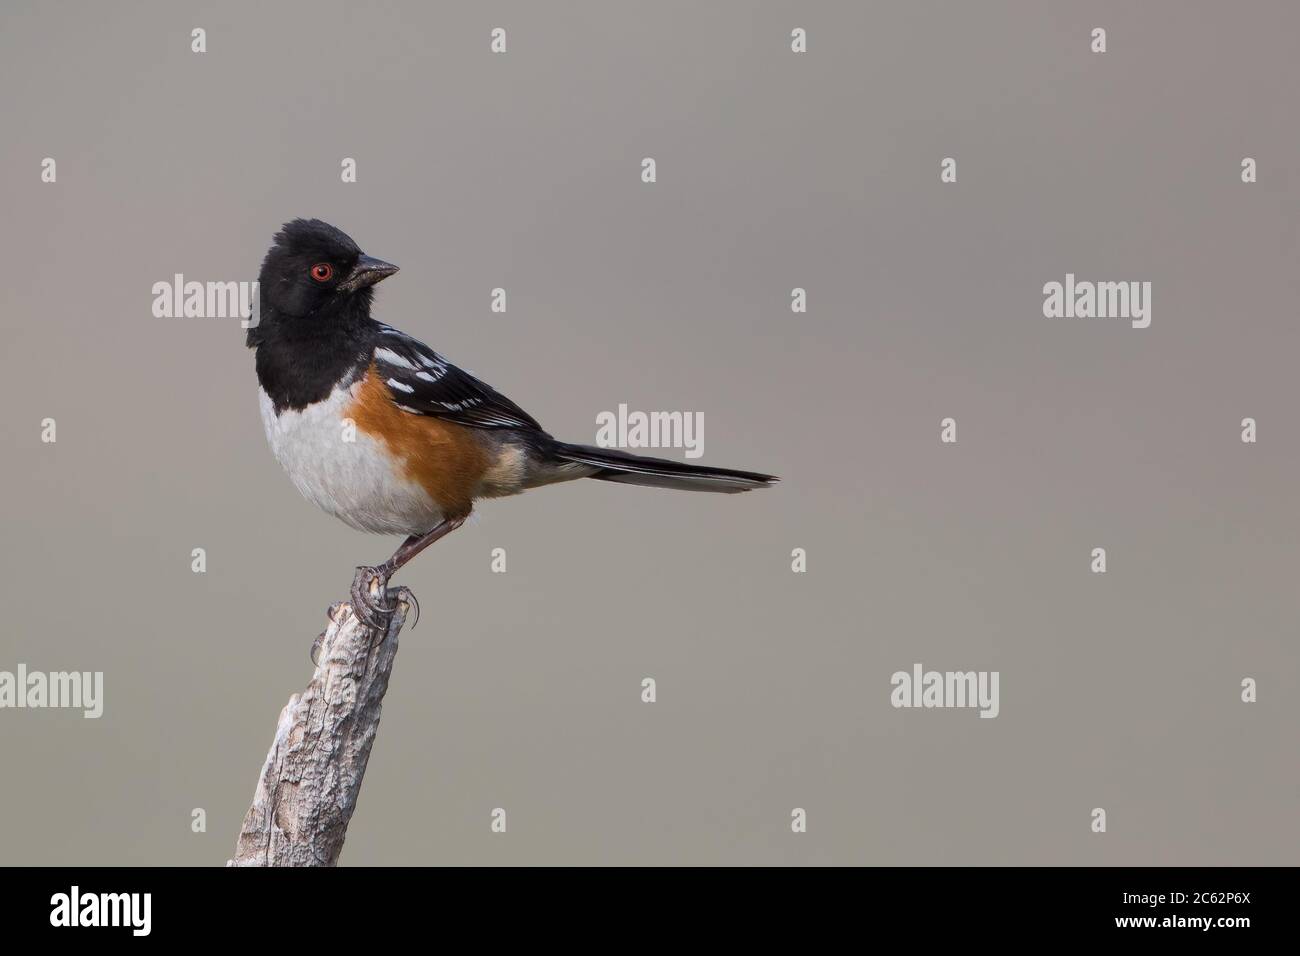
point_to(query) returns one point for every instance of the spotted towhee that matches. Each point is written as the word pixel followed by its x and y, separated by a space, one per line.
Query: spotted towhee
pixel 383 432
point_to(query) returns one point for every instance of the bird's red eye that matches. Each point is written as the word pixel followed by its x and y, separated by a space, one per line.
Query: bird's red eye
pixel 322 271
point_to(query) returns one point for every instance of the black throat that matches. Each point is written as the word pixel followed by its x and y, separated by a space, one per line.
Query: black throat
pixel 301 360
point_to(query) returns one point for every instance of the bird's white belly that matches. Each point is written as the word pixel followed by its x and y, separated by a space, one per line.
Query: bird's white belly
pixel 345 471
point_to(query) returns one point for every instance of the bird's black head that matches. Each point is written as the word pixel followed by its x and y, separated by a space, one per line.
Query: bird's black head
pixel 315 273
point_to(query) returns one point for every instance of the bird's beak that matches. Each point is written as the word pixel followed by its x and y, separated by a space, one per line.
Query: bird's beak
pixel 366 272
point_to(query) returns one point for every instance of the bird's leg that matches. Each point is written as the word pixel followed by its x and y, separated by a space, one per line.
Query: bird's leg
pixel 372 610
pixel 418 542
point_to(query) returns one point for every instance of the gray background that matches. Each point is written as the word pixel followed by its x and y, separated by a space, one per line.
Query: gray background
pixel 776 170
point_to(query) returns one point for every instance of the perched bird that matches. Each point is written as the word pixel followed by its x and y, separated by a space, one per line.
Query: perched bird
pixel 381 431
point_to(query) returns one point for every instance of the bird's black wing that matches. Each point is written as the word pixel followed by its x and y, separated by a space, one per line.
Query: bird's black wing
pixel 423 382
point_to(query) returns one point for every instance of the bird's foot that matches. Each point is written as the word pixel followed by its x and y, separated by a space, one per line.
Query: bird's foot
pixel 370 597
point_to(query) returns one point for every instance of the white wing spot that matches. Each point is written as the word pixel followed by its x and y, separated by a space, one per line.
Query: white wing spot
pixel 460 406
pixel 394 383
pixel 392 358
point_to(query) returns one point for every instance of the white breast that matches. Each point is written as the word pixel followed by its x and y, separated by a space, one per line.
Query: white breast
pixel 345 471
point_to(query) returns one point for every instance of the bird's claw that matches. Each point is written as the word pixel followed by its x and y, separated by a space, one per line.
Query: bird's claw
pixel 374 612
pixel 409 598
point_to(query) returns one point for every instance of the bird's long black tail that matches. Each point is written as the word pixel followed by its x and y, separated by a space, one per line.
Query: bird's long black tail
pixel 614 465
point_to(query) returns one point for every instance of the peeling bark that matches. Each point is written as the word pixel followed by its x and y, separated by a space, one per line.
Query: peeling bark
pixel 313 772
